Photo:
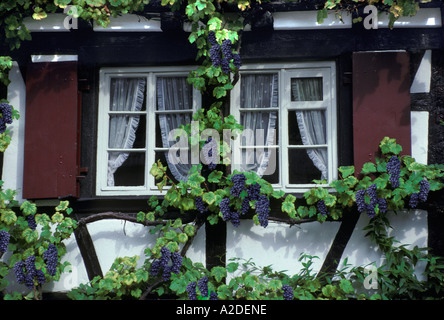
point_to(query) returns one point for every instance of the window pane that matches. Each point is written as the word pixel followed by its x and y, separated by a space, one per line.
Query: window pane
pixel 294 135
pixel 126 132
pixel 259 91
pixel 306 89
pixel 263 161
pixel 261 128
pixel 174 93
pixel 161 155
pixel 165 123
pixel 302 168
pixel 129 169
pixel 127 94
pixel 307 127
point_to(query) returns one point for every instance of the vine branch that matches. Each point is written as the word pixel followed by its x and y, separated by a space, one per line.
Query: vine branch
pixel 120 216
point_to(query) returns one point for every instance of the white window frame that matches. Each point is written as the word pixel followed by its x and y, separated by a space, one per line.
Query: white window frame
pixel 286 71
pixel 150 74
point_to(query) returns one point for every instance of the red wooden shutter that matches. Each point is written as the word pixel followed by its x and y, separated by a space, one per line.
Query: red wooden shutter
pixel 381 102
pixel 50 164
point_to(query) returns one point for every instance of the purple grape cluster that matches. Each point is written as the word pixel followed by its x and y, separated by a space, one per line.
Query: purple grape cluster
pixel 176 260
pixel 191 290
pixel 4 241
pixel 237 61
pixel 164 264
pixel 245 206
pixel 394 170
pixel 322 208
pixel 26 272
pixel 200 205
pixel 235 218
pixel 215 55
pixel 202 284
pixel 31 222
pixel 253 193
pixel 369 208
pixel 226 49
pixel 164 261
pixel 288 292
pixel 40 276
pixel 424 188
pixel 382 205
pixel 207 151
pixel 224 206
pixel 222 55
pixel 371 191
pixel 18 270
pixel 50 257
pixel 227 214
pixel 212 38
pixel 238 184
pixel 360 200
pixel 415 198
pixel 6 111
pixel 262 210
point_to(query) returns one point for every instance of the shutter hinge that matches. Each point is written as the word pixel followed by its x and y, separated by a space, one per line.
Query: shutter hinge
pixel 347 77
pixel 82 173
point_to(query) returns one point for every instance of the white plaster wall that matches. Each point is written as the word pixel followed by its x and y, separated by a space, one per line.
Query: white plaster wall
pixel 408 227
pixel 117 238
pixel 71 278
pixel 279 245
pixel 422 79
pixel 13 157
pixel 75 274
pixel 420 135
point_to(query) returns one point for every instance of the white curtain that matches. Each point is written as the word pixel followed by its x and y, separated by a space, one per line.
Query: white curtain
pixel 174 93
pixel 312 123
pixel 127 94
pixel 258 91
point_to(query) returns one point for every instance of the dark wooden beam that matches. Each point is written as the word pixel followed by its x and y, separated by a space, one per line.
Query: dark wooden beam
pixel 88 252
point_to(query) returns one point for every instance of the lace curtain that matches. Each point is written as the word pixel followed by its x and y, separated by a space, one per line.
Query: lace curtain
pixel 175 94
pixel 127 94
pixel 258 91
pixel 312 123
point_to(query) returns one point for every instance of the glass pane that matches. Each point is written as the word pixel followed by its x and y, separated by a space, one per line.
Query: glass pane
pixel 259 91
pixel 126 132
pixel 271 174
pixel 166 123
pixel 161 155
pixel 294 135
pixel 174 93
pixel 306 89
pixel 301 167
pixel 129 168
pixel 307 127
pixel 264 162
pixel 261 128
pixel 127 94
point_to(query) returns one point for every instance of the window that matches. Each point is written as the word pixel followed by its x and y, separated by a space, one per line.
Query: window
pixel 138 108
pixel 289 116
